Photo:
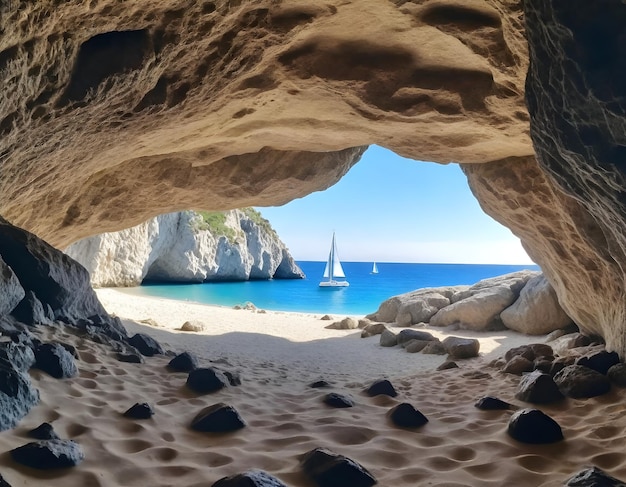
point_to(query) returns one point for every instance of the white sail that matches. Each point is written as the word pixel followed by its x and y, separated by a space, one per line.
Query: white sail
pixel 374 269
pixel 333 269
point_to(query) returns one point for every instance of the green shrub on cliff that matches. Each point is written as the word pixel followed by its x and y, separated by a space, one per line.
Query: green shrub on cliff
pixel 261 222
pixel 215 222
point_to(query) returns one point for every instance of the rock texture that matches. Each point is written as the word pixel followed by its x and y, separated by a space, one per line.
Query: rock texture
pixel 111 115
pixel 220 105
pixel 182 247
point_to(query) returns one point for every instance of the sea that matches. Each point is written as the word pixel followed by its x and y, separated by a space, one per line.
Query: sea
pixel 364 295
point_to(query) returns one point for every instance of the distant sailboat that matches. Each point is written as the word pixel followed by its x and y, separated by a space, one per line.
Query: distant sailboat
pixel 333 269
pixel 374 269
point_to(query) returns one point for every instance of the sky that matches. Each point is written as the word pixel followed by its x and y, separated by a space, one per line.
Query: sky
pixel 391 209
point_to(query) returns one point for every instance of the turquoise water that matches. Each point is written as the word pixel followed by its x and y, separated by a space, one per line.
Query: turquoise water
pixel 363 296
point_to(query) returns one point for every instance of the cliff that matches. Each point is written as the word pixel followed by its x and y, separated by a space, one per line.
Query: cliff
pixel 187 247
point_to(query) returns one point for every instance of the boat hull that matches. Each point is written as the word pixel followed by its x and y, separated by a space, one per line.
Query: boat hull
pixel 334 284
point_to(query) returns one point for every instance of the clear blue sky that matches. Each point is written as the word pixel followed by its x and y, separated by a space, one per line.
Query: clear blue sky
pixel 391 209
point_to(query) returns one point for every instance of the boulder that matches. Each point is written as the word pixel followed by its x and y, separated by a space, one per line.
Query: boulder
pixel 146 345
pixel 55 360
pixel 538 388
pixel 19 355
pixel 579 382
pixel 567 342
pixel 329 469
pixel 17 395
pixel 537 310
pixel 373 329
pixel 337 400
pixel 518 365
pixel 44 431
pixel 409 334
pixel 617 374
pixel 11 291
pixel 414 346
pixel 490 403
pixel 415 306
pixel 139 411
pixel 531 351
pixel 218 418
pixel 593 477
pixel 183 362
pixel 434 347
pixel 478 307
pixel 345 324
pixel 534 426
pixel 55 280
pixel 381 387
pixel 49 454
pixel 448 364
pixel 193 325
pixel 405 415
pixel 251 478
pixel 205 380
pixel 461 348
pixel 600 360
pixel 388 339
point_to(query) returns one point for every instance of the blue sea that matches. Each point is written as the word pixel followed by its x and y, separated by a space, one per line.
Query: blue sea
pixel 363 296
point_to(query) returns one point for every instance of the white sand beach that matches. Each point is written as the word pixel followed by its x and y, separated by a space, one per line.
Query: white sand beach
pixel 277 356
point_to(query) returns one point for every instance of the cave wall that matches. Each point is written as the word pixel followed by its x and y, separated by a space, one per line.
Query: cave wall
pixel 112 112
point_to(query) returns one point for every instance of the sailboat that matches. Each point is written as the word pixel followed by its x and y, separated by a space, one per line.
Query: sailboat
pixel 333 269
pixel 374 269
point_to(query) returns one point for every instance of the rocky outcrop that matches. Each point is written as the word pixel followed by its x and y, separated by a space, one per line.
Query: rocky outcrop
pixel 110 116
pixel 522 301
pixel 183 247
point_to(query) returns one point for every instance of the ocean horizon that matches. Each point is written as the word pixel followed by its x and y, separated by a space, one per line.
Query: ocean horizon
pixel 364 295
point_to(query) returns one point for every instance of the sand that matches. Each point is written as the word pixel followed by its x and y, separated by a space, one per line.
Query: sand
pixel 277 356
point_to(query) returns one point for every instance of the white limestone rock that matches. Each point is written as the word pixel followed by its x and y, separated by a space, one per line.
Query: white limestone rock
pixel 177 248
pixel 415 306
pixel 11 291
pixel 537 310
pixel 478 308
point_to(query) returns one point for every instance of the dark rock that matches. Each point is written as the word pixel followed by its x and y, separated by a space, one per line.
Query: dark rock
pixel 530 351
pixel 434 348
pixel 17 395
pixel 58 282
pixel 206 380
pixel 559 364
pixel 538 388
pixel 617 375
pixel 31 311
pixel 130 357
pixel 594 477
pixel 338 400
pixel 139 411
pixel 234 379
pixel 460 348
pixel 146 345
pixel 251 478
pixel 381 387
pixel 388 339
pixel 518 365
pixel 448 364
pixel 320 384
pixel 406 416
pixel 44 431
pixel 4 483
pixel 49 454
pixel 600 361
pixel 218 418
pixel 490 403
pixel 183 362
pixel 21 356
pixel 408 334
pixel 55 360
pixel 544 365
pixel 329 469
pixel 71 349
pixel 11 291
pixel 580 382
pixel 534 426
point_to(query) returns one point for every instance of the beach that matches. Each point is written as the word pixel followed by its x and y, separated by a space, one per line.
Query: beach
pixel 277 356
